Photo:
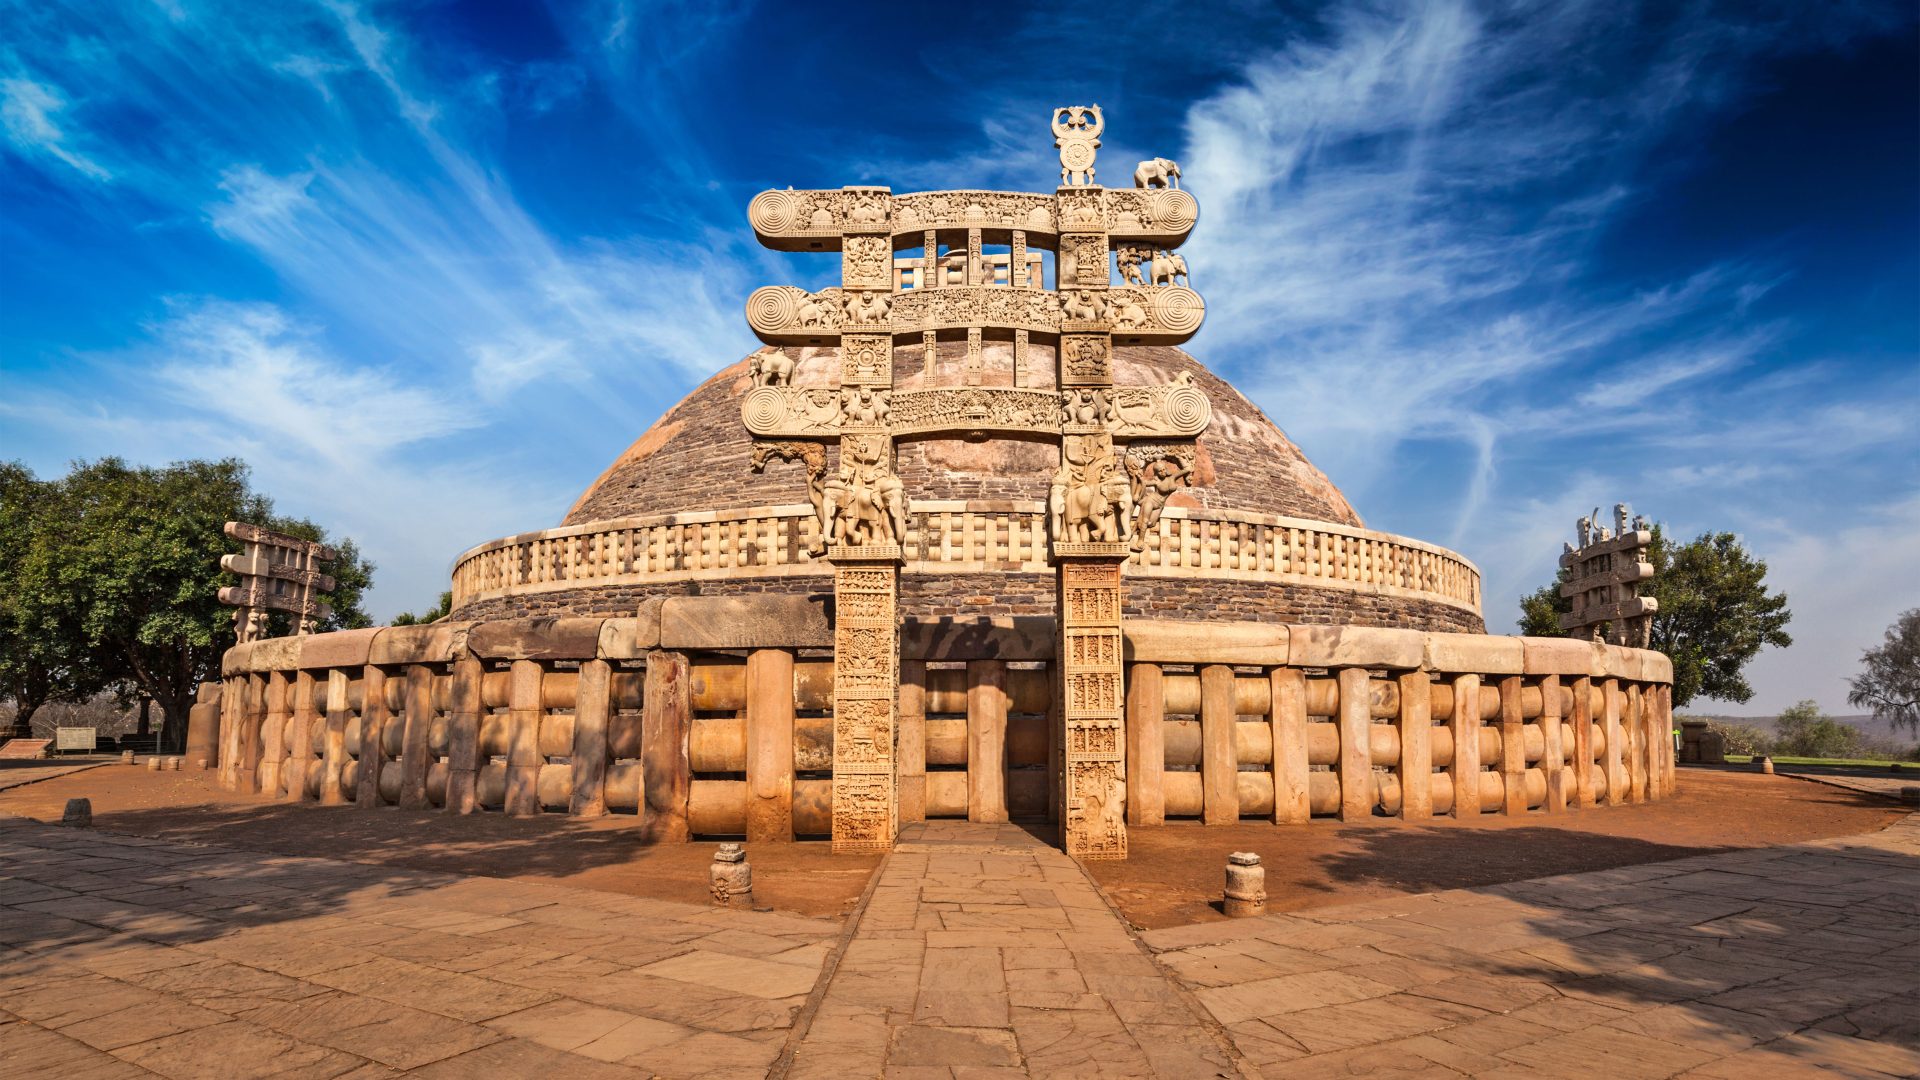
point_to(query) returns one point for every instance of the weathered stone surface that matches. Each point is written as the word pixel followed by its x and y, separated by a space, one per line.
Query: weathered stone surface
pixel 341 648
pixel 536 639
pixel 629 638
pixel 1482 653
pixel 428 643
pixel 275 654
pixel 1557 656
pixel 739 622
pixel 1167 641
pixel 1366 646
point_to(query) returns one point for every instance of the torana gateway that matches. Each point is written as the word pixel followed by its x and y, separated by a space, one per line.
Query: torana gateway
pixel 970 537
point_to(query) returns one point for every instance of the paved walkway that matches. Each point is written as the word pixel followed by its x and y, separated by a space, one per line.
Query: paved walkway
pixel 14 774
pixel 983 952
pixel 121 956
pixel 980 952
pixel 1775 962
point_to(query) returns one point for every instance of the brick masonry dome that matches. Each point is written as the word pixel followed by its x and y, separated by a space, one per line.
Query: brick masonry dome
pixel 696 457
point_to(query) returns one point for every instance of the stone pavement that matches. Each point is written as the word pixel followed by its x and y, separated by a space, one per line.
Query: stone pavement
pixel 983 952
pixel 123 956
pixel 1777 962
pixel 1887 784
pixel 980 952
pixel 17 773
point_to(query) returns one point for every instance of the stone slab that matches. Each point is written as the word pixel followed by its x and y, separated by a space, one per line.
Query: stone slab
pixel 745 622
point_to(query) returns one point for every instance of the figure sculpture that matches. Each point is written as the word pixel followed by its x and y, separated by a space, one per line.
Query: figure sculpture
pixel 1130 259
pixel 771 369
pixel 865 501
pixel 1165 267
pixel 1157 173
pixel 1154 482
pixel 1090 500
pixel 866 407
pixel 814 456
pixel 866 307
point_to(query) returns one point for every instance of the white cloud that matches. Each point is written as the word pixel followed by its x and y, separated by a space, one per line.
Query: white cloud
pixel 29 111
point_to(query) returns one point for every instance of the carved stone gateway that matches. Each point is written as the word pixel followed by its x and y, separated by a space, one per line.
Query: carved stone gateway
pixel 1102 492
pixel 1603 581
pixel 277 573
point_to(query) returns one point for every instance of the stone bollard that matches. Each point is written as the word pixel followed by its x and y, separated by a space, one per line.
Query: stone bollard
pixel 732 877
pixel 1246 885
pixel 1910 795
pixel 200 764
pixel 1764 764
pixel 153 764
pixel 173 764
pixel 126 757
pixel 79 814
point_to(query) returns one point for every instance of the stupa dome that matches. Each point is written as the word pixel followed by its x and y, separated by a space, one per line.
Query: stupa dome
pixel 1256 532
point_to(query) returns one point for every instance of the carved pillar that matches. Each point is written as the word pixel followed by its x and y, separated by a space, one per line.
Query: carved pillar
pixel 976 268
pixel 1020 342
pixel 929 353
pixel 866 659
pixel 1017 262
pixel 930 260
pixel 1093 726
pixel 976 360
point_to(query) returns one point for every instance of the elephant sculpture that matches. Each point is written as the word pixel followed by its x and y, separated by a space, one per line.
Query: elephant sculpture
pixel 1167 268
pixel 1157 173
pixel 771 369
pixel 811 313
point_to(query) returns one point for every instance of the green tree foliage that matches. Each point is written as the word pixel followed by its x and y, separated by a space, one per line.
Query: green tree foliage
pixel 1804 731
pixel 37 667
pixel 120 572
pixel 1715 613
pixel 435 614
pixel 1890 685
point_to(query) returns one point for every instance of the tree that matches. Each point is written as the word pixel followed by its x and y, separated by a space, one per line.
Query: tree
pixel 36 667
pixel 1804 731
pixel 434 614
pixel 1715 613
pixel 1890 685
pixel 123 571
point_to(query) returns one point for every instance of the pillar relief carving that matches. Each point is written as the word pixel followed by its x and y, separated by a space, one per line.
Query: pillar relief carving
pixel 1093 758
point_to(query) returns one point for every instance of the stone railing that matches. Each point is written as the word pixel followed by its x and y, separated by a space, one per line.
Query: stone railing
pixel 711 716
pixel 961 537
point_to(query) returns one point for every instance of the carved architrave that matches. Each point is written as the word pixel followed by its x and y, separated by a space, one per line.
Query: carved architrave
pixel 1175 410
pixel 785 314
pixel 865 684
pixel 277 572
pixel 1604 578
pixel 1092 700
pixel 800 219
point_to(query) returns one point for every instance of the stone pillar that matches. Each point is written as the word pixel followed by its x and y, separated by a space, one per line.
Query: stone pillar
pixel 373 724
pixel 769 746
pixel 1292 803
pixel 1670 775
pixel 253 734
pixel 273 733
pixel 866 655
pixel 1616 771
pixel 1464 770
pixel 1219 762
pixel 464 709
pixel 667 714
pixel 592 712
pixel 1583 741
pixel 911 743
pixel 1643 764
pixel 1356 746
pixel 417 722
pixel 1553 759
pixel 300 737
pixel 1021 342
pixel 1017 268
pixel 524 711
pixel 1146 745
pixel 987 741
pixel 976 268
pixel 233 695
pixel 1513 748
pixel 976 359
pixel 331 791
pixel 1416 747
pixel 1093 736
pixel 930 259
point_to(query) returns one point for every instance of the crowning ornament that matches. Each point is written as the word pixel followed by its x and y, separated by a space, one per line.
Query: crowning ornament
pixel 1103 490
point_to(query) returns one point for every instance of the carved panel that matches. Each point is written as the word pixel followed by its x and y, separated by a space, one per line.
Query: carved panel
pixel 1092 700
pixel 866 359
pixel 865 681
pixel 1086 359
pixel 1176 410
pixel 1162 216
pixel 1168 314
pixel 1083 260
pixel 866 262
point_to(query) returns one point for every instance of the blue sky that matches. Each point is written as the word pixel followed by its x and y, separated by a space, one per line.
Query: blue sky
pixel 430 266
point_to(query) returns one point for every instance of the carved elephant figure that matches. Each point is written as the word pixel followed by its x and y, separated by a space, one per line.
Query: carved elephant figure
pixel 1127 314
pixel 811 313
pixel 771 369
pixel 1168 268
pixel 1157 173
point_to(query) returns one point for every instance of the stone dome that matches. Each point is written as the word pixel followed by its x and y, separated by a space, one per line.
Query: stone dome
pixel 695 457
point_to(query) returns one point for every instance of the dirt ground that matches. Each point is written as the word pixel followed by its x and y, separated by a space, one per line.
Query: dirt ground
pixel 604 854
pixel 1174 873
pixel 1173 876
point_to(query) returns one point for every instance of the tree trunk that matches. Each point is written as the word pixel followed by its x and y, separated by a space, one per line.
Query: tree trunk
pixel 173 724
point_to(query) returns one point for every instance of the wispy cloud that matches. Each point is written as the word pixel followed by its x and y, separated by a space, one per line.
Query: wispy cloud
pixel 29 112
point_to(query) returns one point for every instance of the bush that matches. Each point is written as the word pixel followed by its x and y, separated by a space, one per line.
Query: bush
pixel 1742 738
pixel 1804 731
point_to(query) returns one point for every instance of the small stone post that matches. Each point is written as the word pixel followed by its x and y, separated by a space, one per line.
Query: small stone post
pixel 126 757
pixel 732 877
pixel 78 813
pixel 1246 885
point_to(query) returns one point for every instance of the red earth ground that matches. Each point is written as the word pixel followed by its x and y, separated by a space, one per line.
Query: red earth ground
pixel 1173 876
